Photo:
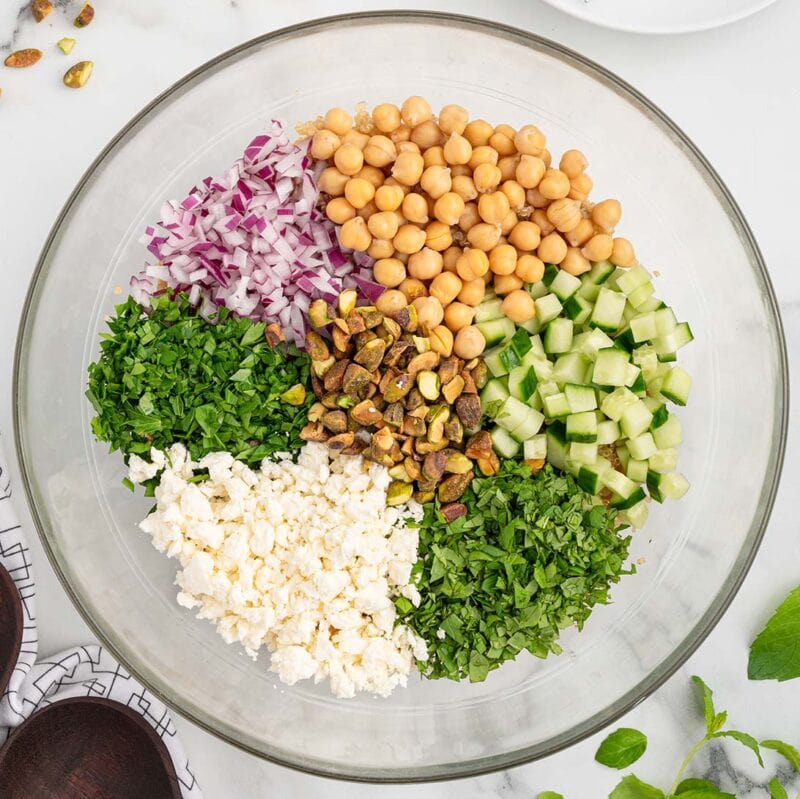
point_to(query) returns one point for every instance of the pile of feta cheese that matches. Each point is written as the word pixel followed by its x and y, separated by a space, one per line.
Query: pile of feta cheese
pixel 301 557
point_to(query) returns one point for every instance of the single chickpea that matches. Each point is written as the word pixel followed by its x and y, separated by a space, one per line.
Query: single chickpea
pixel 354 234
pixel 515 194
pixel 552 249
pixel 457 149
pixel 324 144
pixel 473 292
pixel 445 287
pixel 371 174
pixel 505 284
pixel 469 218
pixel 565 214
pixel 530 269
pixel 449 208
pixel 332 181
pixel 415 110
pixel 401 256
pixel 338 210
pixel 487 177
pixel 386 117
pixel 339 121
pixel 380 151
pixel 545 225
pixel 469 343
pixel 573 163
pixel 389 272
pixel 554 185
pixel 415 208
pixel 574 262
pixel 436 181
pixel 429 313
pixel 407 168
pixel 450 257
pixel 413 288
pixel 483 155
pixel 442 341
pixel 409 239
pixel 530 171
pixel 426 135
pixel 409 147
pixel 464 187
pixel 529 140
pixel 400 134
pixel 606 214
pixel 389 198
pixel 622 254
pixel 483 236
pixel 493 207
pixel 458 315
pixel 460 169
pixel 390 181
pixel 598 248
pixel 534 198
pixel 434 156
pixel 518 306
pixel 453 119
pixel 348 159
pixel 359 192
pixel 425 264
pixel 472 263
pixel 383 225
pixel 380 248
pixel 503 140
pixel 547 157
pixel 438 236
pixel 390 302
pixel 580 234
pixel 580 187
pixel 509 222
pixel 356 137
pixel 525 236
pixel 478 132
pixel 508 166
pixel 503 259
pixel 367 211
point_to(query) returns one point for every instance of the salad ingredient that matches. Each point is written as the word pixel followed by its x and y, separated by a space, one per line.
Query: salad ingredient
pixel 41 9
pixel 168 377
pixel 775 653
pixel 532 557
pixel 621 748
pixel 85 16
pixel 78 74
pixel 253 241
pixel 66 44
pixel 303 558
pixel 23 58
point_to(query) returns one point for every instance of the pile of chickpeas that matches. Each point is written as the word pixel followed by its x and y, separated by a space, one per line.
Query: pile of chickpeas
pixel 447 206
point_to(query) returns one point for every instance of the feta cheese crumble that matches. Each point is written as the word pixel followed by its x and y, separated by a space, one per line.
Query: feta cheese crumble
pixel 303 558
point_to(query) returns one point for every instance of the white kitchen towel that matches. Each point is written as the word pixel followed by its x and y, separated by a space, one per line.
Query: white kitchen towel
pixel 82 671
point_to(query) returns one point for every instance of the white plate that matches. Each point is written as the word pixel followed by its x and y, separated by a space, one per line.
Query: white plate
pixel 660 16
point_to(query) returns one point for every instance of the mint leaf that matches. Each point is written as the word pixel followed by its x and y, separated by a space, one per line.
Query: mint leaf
pixel 631 787
pixel 708 705
pixel 549 795
pixel 623 747
pixel 776 790
pixel 696 784
pixel 706 792
pixel 743 738
pixel 719 721
pixel 775 653
pixel 787 750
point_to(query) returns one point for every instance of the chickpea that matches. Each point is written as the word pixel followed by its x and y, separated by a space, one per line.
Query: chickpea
pixel 503 140
pixel 434 156
pixel 409 147
pixel 473 292
pixel 400 134
pixel 464 187
pixel 389 272
pixel 429 312
pixel 384 224
pixel 415 110
pixel 469 218
pixel 359 192
pixel 453 119
pixel 371 174
pixel 324 144
pixel 622 253
pixel 390 181
pixel 348 159
pixel 380 151
pixel 380 248
pixel 508 166
pixel 412 289
pixel 445 287
pixel 515 194
pixel 598 248
pixel 408 168
pixel 552 249
pixel 505 284
pixel 458 315
pixel 529 140
pixel 503 259
pixel 493 207
pixel 573 163
pixel 386 117
pixel 486 177
pixel 580 187
pixel 428 134
pixel 409 239
pixel 450 257
pixel 332 181
pixel 565 214
pixel 442 341
pixel 607 214
pixel 401 256
pixel 339 121
pixel 483 155
pixel 530 171
pixel 472 263
pixel 460 169
pixel 356 137
pixel 530 269
pixel 449 208
pixel 354 234
pixel 574 262
pixel 438 236
pixel 545 225
pixel 436 181
pixel 580 234
pixel 425 264
pixel 367 211
pixel 525 236
pixel 338 210
pixel 518 306
pixel 390 302
pixel 509 222
pixel 389 198
pixel 547 157
pixel 478 132
pixel 415 208
pixel 554 185
pixel 457 150
pixel 483 236
pixel 534 198
pixel 469 343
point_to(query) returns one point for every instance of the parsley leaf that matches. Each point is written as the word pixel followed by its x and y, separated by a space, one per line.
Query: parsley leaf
pixel 743 738
pixel 775 653
pixel 631 787
pixel 776 790
pixel 787 750
pixel 621 748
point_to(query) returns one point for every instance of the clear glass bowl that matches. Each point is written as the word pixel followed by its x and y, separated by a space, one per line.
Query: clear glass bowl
pixel 693 554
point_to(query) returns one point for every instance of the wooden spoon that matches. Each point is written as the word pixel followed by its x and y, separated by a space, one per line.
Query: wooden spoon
pixel 10 627
pixel 86 748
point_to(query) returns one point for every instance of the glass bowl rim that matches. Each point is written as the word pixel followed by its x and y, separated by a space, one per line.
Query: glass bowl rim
pixel 702 628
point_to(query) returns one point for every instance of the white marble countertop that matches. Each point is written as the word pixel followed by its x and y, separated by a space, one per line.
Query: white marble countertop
pixel 733 90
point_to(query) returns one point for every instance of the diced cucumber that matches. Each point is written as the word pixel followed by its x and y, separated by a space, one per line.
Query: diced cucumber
pixel 543 369
pixel 636 516
pixel 624 340
pixel 654 485
pixel 508 357
pixel 532 326
pixel 607 311
pixel 494 393
pixel 548 308
pixel 637 470
pixel 599 273
pixel 683 334
pixel 564 285
pixel 547 388
pixel 550 273
pixel 650 304
pixel 632 374
pixel 555 406
pixel 607 432
pixel 676 386
pixel 643 327
pixel 536 350
pixel 665 321
pixel 623 455
pixel 646 359
pixel 583 453
pixel 659 411
pixel 558 336
pixel 493 363
pixel 489 309
pixel 610 367
pixel 674 485
pixel 496 331
pixel 616 402
pixel 570 368
pixel 520 342
pixel 619 483
pixel 635 419
pixel 557 447
pixel 642 447
pixel 639 387
pixel 590 477
pixel 504 445
pixel 594 341
pixel 578 308
pixel 537 290
pixel 639 296
pixel 582 427
pixel 580 398
pixel 522 382
pixel 631 279
pixel 535 448
pixel 589 291
pixel 623 502
pixel 664 460
pixel 512 413
pixel 669 434
pixel 529 426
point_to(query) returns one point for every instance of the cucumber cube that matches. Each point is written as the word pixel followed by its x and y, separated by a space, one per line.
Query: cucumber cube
pixel 580 398
pixel 664 460
pixel 578 309
pixel 582 453
pixel 636 516
pixel 493 395
pixel 674 485
pixel 556 406
pixel 489 309
pixel 643 327
pixel 619 483
pixel 594 341
pixel 639 296
pixel 582 427
pixel 564 285
pixel 676 386
pixel 546 388
pixel 665 321
pixel 535 448
pixel 504 445
pixel 522 382
pixel 493 363
pixel 537 290
pixel 607 432
pixel 669 434
pixel 632 278
pixel 637 470
pixel 616 402
pixel 610 367
pixel 496 331
pixel 570 368
pixel 558 336
pixel 547 308
pixel 642 447
pixel 600 272
pixel 557 447
pixel 512 413
pixel 635 419
pixel 543 369
pixel 607 312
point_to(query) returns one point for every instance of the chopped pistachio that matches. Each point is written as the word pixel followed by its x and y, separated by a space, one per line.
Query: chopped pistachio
pixel 85 16
pixel 296 395
pixel 321 367
pixel 428 384
pixel 422 343
pixel 66 44
pixel 347 301
pixel 318 314
pixel 399 493
pixel 77 75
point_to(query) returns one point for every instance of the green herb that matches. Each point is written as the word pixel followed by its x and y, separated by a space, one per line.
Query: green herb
pixel 169 376
pixel 623 747
pixel 531 558
pixel 787 750
pixel 632 787
pixel 775 653
pixel 549 795
pixel 776 790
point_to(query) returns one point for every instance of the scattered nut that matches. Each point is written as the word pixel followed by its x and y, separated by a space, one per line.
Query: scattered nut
pixel 40 9
pixel 451 488
pixel 453 511
pixel 76 76
pixel 23 58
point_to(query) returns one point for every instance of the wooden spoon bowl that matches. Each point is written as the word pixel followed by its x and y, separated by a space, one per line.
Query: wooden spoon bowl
pixel 11 626
pixel 86 748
